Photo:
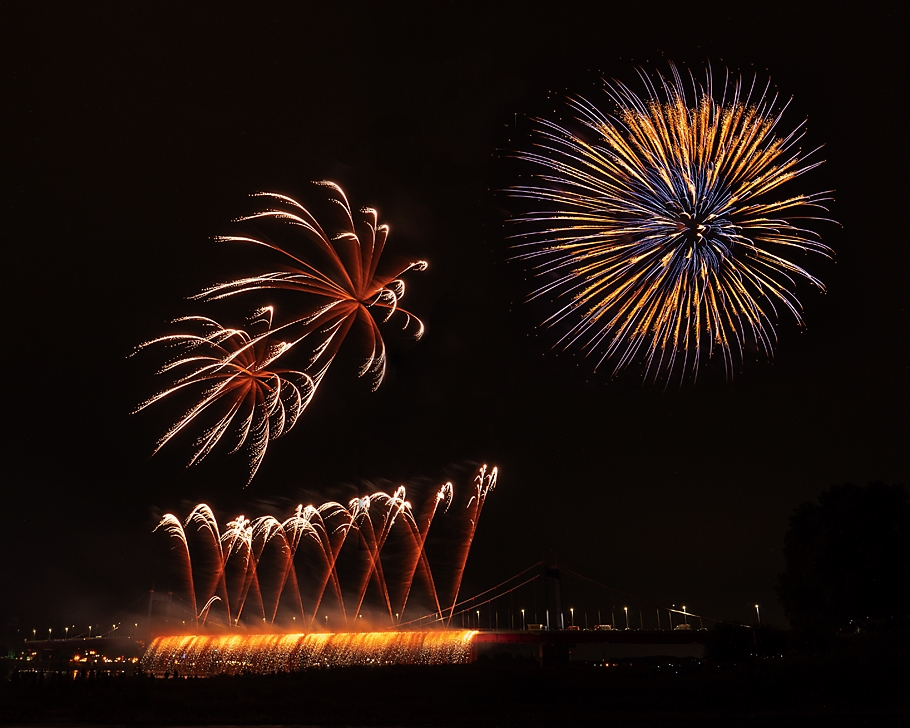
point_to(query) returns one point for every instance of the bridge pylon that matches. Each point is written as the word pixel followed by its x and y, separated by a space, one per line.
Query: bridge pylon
pixel 551 579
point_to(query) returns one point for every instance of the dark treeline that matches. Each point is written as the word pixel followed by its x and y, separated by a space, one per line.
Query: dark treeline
pixel 848 562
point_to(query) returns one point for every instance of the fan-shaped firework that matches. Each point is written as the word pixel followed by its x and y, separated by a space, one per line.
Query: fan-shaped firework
pixel 662 229
pixel 341 292
pixel 241 391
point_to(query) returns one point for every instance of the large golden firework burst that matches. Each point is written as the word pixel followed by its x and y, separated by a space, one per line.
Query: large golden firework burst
pixel 660 229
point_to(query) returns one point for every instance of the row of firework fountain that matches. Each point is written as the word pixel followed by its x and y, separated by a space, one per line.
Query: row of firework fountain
pixel 330 585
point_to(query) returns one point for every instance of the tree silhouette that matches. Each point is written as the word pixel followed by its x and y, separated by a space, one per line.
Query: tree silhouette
pixel 848 560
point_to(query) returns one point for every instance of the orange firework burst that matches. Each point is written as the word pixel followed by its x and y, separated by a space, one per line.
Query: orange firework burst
pixel 241 393
pixel 241 390
pixel 342 292
pixel 664 233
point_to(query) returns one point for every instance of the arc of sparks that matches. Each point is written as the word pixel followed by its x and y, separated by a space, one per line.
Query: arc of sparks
pixel 235 584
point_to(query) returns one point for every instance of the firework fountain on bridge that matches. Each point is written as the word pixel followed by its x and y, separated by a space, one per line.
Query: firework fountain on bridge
pixel 363 566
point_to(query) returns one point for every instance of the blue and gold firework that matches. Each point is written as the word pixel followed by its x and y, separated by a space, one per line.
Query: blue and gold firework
pixel 660 228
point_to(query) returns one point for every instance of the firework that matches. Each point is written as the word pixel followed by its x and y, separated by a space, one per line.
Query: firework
pixel 660 229
pixel 345 289
pixel 240 389
pixel 251 567
pixel 241 395
pixel 484 483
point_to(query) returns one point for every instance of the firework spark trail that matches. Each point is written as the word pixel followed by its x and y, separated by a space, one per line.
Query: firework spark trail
pixel 484 483
pixel 331 552
pixel 445 493
pixel 237 540
pixel 268 529
pixel 664 236
pixel 174 528
pixel 292 531
pixel 259 533
pixel 234 539
pixel 203 516
pixel 360 512
pixel 349 287
pixel 241 389
pixel 244 544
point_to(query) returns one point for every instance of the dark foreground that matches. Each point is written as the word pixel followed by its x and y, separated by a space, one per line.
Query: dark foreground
pixel 788 692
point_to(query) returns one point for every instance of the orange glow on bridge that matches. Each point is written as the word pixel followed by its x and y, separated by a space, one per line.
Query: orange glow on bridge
pixel 206 655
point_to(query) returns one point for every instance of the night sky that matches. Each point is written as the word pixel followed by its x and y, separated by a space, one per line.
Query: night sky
pixel 135 133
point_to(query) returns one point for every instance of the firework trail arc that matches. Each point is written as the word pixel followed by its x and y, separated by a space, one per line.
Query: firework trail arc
pixel 239 575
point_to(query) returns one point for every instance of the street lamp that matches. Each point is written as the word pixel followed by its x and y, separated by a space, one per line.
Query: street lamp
pixel 685 616
pixel 523 619
pixel 626 610
pixel 478 619
pixel 758 614
pixel 571 616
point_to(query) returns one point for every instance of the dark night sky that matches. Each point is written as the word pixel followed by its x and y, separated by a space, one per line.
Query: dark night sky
pixel 135 132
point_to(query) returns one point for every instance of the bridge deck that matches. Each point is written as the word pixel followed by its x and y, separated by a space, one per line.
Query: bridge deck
pixel 586 636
